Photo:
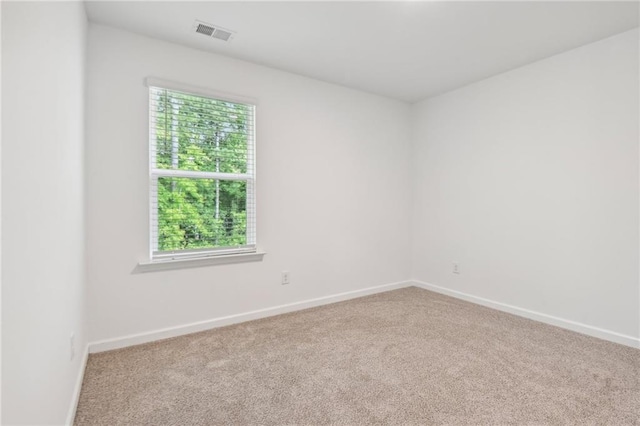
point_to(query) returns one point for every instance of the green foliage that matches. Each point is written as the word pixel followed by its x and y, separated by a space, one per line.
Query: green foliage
pixel 200 134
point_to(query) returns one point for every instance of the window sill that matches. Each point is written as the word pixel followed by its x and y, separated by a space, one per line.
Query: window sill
pixel 166 265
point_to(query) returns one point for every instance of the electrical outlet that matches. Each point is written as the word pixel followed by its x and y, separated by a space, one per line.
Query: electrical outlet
pixel 72 347
pixel 285 277
pixel 456 268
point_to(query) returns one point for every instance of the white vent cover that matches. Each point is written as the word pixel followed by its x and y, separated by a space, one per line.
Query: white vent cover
pixel 212 31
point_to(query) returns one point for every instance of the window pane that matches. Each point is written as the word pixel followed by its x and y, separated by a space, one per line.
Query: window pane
pixel 201 213
pixel 200 134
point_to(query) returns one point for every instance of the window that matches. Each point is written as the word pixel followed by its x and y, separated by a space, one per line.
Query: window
pixel 202 174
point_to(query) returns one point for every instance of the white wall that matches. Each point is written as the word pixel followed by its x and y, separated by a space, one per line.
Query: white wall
pixel 0 216
pixel 43 56
pixel 529 179
pixel 332 189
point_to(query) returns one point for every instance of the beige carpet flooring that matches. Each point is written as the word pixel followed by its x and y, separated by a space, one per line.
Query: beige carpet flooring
pixel 408 356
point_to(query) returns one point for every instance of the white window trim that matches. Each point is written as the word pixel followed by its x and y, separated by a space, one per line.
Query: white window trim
pixel 197 262
pixel 204 257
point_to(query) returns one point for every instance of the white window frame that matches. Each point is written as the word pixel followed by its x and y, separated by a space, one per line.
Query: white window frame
pixel 189 258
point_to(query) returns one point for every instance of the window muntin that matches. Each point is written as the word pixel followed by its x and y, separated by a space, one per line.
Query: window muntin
pixel 202 175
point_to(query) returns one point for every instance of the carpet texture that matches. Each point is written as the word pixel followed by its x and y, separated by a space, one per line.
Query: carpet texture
pixel 407 356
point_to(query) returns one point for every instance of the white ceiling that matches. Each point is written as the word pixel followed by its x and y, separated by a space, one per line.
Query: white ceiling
pixel 403 50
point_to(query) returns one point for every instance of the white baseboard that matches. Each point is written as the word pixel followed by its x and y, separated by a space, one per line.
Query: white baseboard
pixel 600 333
pixel 75 397
pixel 137 339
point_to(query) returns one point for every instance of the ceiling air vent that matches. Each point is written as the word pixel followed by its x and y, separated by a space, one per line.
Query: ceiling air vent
pixel 205 29
pixel 213 31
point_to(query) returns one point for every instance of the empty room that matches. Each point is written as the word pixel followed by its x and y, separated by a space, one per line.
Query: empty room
pixel 319 213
